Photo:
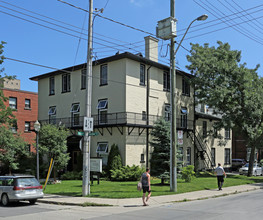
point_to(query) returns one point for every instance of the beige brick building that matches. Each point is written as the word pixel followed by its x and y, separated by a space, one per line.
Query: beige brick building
pixel 127 90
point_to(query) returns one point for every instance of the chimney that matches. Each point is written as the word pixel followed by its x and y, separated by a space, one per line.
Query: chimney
pixel 151 48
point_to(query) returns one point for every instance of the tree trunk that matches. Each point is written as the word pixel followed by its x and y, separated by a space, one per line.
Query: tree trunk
pixel 251 160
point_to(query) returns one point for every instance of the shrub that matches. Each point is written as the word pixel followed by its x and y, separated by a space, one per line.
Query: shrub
pixel 188 173
pixel 74 175
pixel 127 173
pixel 114 160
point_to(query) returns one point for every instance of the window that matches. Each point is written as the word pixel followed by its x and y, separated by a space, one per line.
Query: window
pixel 83 78
pixel 167 112
pixel 27 126
pixel 166 81
pixel 184 117
pixel 52 85
pixel 103 111
pixel 13 129
pixel 144 117
pixel 180 154
pixel 52 114
pixel 12 102
pixel 29 147
pixel 102 151
pixel 185 87
pixel 227 156
pixel 204 129
pixel 203 108
pixel 213 156
pixel 66 83
pixel 27 103
pixel 142 158
pixel 75 110
pixel 142 75
pixel 188 156
pixel 104 75
pixel 227 133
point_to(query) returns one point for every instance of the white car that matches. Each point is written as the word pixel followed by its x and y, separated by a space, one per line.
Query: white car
pixel 257 170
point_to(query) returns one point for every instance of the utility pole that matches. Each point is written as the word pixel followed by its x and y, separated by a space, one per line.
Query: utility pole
pixel 86 147
pixel 173 141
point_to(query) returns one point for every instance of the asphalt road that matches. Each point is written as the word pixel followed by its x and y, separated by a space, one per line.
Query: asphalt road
pixel 239 206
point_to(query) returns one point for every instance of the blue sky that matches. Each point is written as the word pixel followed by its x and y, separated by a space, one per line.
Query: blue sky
pixel 53 34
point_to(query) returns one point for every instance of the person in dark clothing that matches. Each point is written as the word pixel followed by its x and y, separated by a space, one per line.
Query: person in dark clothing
pixel 220 173
pixel 146 186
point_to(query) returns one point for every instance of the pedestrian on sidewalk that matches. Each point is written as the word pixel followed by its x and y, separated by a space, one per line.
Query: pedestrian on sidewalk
pixel 220 173
pixel 146 186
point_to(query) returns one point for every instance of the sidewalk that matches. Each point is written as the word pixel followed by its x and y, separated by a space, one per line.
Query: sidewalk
pixel 204 194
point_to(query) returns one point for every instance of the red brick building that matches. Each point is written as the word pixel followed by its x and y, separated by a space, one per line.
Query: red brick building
pixel 26 110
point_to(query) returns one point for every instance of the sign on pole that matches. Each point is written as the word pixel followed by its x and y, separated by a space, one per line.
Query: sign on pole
pixel 88 124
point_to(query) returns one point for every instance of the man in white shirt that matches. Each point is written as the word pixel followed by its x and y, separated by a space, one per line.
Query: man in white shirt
pixel 220 173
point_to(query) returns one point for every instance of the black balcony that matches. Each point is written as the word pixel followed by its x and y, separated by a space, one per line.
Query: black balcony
pixel 115 119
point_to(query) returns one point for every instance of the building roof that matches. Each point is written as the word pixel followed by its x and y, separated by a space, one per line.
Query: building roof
pixel 19 91
pixel 135 57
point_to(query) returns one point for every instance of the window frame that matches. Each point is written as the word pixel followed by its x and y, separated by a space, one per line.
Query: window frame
pixel 52 85
pixel 227 156
pixel 13 106
pixel 227 133
pixel 166 81
pixel 75 115
pixel 104 154
pixel 204 130
pixel 142 75
pixel 66 82
pixel 167 112
pixel 27 128
pixel 188 156
pixel 102 111
pixel 185 87
pixel 52 115
pixel 104 75
pixel 184 118
pixel 213 156
pixel 28 106
pixel 83 79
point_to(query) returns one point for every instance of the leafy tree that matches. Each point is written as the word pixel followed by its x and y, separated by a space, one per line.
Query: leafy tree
pixel 53 142
pixel 160 160
pixel 12 146
pixel 114 160
pixel 231 88
pixel 188 173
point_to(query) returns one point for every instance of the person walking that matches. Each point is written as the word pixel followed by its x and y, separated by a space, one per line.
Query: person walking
pixel 220 173
pixel 146 186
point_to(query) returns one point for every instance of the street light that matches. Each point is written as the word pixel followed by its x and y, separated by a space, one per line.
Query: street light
pixel 173 170
pixel 37 129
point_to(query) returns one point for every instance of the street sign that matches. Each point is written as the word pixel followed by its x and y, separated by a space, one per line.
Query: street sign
pixel 93 133
pixel 180 134
pixel 180 142
pixel 88 124
pixel 81 133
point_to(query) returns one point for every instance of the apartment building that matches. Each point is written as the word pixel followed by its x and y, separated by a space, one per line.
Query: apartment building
pixel 129 93
pixel 25 105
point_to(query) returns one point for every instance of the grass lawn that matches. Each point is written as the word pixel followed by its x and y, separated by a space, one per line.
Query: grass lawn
pixel 107 189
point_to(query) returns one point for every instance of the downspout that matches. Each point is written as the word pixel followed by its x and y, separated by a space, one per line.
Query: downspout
pixel 147 115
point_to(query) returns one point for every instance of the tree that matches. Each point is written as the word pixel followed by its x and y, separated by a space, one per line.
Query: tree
pixel 160 160
pixel 114 160
pixel 12 146
pixel 53 142
pixel 231 88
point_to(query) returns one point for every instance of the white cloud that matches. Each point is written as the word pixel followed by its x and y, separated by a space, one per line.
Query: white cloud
pixel 141 3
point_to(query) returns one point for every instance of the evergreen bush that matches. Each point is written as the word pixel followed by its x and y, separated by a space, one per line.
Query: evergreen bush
pixel 127 173
pixel 188 173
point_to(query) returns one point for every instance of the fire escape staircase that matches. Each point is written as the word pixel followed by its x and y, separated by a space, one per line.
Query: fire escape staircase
pixel 203 151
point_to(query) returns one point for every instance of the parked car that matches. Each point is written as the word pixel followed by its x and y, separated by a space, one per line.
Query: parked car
pixel 237 163
pixel 19 187
pixel 257 170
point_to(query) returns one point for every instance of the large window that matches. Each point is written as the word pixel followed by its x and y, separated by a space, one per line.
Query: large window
pixel 52 114
pixel 83 78
pixel 52 85
pixel 185 87
pixel 227 133
pixel 104 75
pixel 227 156
pixel 166 81
pixel 204 129
pixel 103 111
pixel 142 75
pixel 66 83
pixel 167 112
pixel 75 113
pixel 213 156
pixel 188 156
pixel 13 102
pixel 27 103
pixel 102 151
pixel 184 117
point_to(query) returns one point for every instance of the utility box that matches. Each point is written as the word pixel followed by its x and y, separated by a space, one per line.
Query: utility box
pixel 166 28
